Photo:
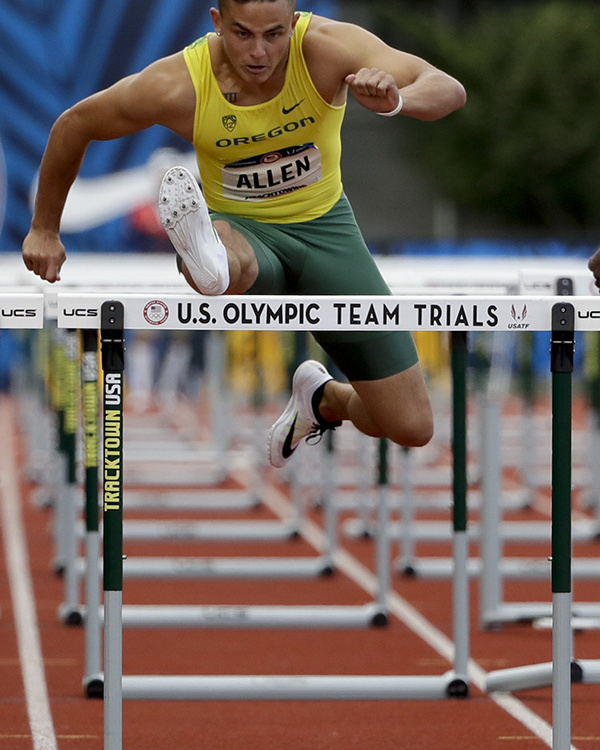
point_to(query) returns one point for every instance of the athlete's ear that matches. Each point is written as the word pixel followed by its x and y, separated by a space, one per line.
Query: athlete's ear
pixel 216 19
pixel 295 20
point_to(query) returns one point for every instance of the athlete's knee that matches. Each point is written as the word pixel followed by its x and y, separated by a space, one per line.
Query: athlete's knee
pixel 243 265
pixel 225 232
pixel 412 433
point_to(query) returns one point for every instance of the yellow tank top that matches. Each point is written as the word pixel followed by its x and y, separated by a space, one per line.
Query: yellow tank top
pixel 275 162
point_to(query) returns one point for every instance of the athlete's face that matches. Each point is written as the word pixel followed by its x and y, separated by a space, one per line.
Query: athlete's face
pixel 256 37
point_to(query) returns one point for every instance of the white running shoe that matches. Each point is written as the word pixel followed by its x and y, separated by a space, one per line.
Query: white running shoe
pixel 300 418
pixel 184 215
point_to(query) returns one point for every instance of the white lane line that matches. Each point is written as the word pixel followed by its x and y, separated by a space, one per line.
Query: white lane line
pixel 21 588
pixel 411 617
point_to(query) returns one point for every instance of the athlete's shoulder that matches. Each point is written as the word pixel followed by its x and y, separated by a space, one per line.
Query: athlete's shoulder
pixel 320 29
pixel 165 74
pixel 163 90
pixel 330 29
pixel 337 41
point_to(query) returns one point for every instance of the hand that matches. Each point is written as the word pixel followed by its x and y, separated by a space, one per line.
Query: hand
pixel 44 254
pixel 594 266
pixel 374 89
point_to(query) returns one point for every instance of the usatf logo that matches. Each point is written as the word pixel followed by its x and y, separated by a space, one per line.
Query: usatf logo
pixel 518 316
pixel 229 122
pixel 156 313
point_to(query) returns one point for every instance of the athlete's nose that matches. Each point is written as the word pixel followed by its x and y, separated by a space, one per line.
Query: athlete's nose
pixel 258 50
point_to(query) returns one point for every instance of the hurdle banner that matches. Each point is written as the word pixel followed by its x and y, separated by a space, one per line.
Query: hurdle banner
pixel 326 313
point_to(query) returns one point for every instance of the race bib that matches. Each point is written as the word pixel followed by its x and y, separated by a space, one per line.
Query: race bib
pixel 273 174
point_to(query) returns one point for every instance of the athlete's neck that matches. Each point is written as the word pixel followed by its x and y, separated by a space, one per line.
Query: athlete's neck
pixel 238 85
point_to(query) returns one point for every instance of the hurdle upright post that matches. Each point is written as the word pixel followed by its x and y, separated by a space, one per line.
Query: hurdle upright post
pixel 113 363
pixel 93 680
pixel 460 587
pixel 561 353
pixel 70 610
pixel 383 540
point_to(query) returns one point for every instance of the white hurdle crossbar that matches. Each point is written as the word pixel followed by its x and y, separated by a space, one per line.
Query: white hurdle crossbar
pixel 562 315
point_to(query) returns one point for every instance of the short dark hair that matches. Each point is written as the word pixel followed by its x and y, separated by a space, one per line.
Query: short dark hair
pixel 224 3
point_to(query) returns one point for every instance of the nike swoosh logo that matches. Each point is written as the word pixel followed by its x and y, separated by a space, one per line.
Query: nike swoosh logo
pixel 291 109
pixel 286 449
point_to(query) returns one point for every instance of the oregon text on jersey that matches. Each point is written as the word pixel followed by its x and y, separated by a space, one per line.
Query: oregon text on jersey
pixel 275 132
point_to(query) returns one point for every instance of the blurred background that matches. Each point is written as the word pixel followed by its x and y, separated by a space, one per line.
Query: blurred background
pixel 515 171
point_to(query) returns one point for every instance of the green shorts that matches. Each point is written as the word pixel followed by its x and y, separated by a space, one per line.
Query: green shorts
pixel 328 256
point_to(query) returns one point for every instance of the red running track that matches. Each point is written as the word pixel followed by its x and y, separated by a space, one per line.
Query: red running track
pixel 480 721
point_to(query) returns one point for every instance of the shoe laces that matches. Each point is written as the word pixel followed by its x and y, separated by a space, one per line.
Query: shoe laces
pixel 318 430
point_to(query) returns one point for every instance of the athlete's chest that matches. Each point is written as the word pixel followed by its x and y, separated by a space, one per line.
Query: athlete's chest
pixel 300 66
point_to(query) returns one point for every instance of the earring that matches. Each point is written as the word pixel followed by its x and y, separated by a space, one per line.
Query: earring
pixel 219 33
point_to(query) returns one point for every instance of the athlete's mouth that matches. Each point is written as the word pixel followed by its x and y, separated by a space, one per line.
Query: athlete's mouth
pixel 256 68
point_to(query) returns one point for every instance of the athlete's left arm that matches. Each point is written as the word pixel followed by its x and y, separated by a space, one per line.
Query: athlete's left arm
pixel 378 74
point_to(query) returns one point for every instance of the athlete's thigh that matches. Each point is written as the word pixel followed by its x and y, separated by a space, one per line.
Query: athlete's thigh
pixel 271 276
pixel 338 260
pixel 399 405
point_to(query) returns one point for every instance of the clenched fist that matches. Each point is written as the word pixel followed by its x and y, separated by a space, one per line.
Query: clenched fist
pixel 44 254
pixel 374 89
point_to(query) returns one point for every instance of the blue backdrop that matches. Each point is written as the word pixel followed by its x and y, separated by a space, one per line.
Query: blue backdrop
pixel 55 52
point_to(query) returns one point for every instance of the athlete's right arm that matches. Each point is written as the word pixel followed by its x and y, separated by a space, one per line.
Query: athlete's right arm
pixel 161 94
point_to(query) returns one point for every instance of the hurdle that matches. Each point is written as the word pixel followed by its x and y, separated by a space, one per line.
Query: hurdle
pixel 561 671
pixel 372 614
pixel 228 313
pixel 378 688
